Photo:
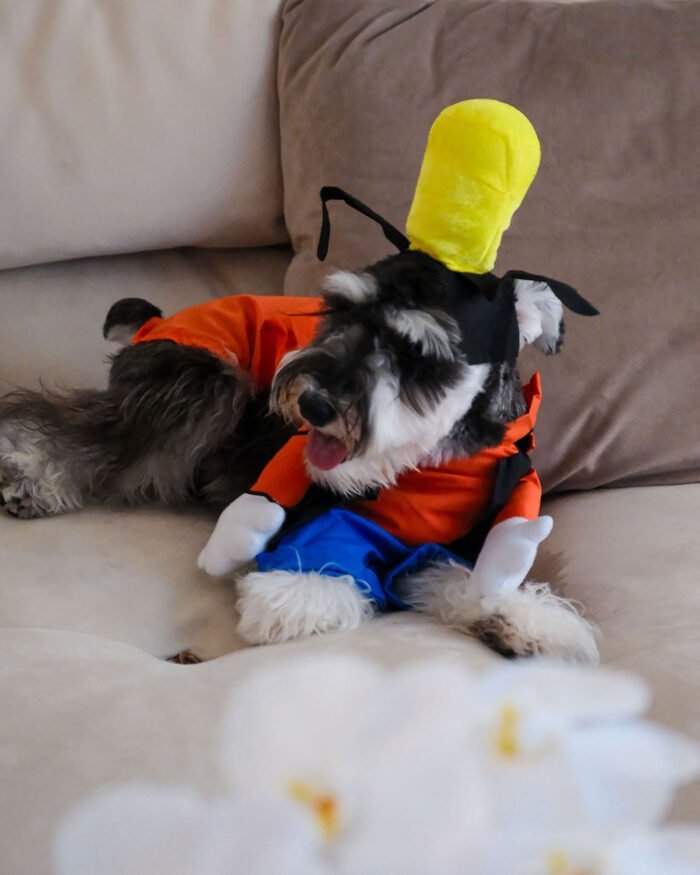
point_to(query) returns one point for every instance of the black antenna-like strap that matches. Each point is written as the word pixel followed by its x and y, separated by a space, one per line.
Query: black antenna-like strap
pixel 332 193
pixel 568 295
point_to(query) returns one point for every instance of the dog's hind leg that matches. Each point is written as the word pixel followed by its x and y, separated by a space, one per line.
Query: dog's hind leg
pixel 140 440
pixel 34 481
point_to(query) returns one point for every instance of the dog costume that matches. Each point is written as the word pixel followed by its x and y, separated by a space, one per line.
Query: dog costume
pixel 481 157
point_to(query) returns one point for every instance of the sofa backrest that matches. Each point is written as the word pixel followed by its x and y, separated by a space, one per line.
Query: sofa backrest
pixel 137 124
pixel 611 86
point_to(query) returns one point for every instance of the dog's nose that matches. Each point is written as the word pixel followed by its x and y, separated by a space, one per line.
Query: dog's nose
pixel 315 409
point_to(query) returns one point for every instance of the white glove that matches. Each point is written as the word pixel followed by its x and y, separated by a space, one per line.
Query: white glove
pixel 508 553
pixel 242 531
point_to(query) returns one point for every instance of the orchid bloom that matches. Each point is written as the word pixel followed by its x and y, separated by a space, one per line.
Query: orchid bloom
pixel 335 766
pixel 377 758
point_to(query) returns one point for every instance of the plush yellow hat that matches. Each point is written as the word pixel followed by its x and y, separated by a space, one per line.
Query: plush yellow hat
pixel 481 157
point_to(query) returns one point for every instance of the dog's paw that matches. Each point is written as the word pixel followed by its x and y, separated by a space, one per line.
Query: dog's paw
pixel 534 621
pixel 277 606
pixel 242 531
pixel 19 501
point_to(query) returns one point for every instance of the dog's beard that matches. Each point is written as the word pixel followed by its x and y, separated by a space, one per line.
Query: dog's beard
pixel 401 438
pixel 361 450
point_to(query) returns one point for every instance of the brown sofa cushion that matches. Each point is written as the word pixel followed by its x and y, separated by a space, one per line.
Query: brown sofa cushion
pixel 612 88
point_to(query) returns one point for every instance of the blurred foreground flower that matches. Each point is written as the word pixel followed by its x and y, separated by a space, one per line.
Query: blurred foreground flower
pixel 337 766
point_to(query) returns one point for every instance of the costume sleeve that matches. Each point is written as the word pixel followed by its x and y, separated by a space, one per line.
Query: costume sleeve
pixel 285 479
pixel 525 499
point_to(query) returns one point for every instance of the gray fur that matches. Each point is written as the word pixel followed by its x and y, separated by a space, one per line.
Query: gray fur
pixel 166 411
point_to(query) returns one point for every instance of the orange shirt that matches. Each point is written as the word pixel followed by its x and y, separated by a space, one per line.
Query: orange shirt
pixel 255 330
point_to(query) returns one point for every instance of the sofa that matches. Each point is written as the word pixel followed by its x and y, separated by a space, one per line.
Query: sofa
pixel 174 152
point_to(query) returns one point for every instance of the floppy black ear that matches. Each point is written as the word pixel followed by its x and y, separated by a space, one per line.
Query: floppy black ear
pixel 539 306
pixel 540 315
pixel 126 317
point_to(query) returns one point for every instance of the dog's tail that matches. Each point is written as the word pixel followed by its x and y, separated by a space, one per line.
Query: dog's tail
pixel 529 621
pixel 126 317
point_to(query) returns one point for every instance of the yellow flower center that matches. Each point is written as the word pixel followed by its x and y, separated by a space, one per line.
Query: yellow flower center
pixel 506 736
pixel 324 806
pixel 558 864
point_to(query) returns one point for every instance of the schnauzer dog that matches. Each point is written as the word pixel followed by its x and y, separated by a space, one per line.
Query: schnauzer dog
pixel 385 383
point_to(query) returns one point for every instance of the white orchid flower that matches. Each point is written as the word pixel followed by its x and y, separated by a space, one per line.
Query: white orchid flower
pixel 564 746
pixel 141 829
pixel 673 851
pixel 379 759
pixel 337 767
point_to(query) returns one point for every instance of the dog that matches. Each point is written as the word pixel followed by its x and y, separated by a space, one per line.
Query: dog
pixel 376 378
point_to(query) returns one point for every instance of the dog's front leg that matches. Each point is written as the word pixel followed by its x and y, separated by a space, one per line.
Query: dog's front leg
pixel 242 531
pixel 495 603
pixel 277 606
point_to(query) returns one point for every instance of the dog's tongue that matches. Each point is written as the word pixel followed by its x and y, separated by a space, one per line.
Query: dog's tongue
pixel 323 451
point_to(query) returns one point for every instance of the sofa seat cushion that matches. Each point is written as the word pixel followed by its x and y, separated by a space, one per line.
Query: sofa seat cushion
pixel 91 603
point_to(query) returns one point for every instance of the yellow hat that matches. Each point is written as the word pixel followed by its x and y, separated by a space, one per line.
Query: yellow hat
pixel 481 157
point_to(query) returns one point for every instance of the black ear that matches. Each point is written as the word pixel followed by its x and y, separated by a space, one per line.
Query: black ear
pixel 126 317
pixel 568 295
pixel 540 315
pixel 539 306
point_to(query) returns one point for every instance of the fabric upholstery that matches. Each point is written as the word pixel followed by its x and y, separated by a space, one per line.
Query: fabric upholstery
pixel 52 315
pixel 91 703
pixel 127 126
pixel 611 88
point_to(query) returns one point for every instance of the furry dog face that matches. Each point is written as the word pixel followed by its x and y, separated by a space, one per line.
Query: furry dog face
pixel 386 384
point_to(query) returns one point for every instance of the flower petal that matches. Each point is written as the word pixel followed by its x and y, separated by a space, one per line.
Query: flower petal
pixel 672 851
pixel 628 773
pixel 259 835
pixel 136 829
pixel 419 801
pixel 287 722
pixel 565 694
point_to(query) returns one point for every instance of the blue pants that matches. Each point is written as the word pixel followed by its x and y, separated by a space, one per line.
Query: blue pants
pixel 340 542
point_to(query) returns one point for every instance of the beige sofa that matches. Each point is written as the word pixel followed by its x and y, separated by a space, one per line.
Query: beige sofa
pixel 141 157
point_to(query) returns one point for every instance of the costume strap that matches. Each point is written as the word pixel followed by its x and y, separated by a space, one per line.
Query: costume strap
pixel 333 193
pixel 509 472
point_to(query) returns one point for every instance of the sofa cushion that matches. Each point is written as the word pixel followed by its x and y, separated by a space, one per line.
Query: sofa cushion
pixel 128 126
pixel 87 711
pixel 51 315
pixel 128 576
pixel 611 87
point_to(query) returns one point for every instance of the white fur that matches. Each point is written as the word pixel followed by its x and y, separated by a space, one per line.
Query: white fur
pixel 121 335
pixel 30 478
pixel 242 531
pixel 424 330
pixel 400 437
pixel 287 358
pixel 531 619
pixel 539 313
pixel 278 606
pixel 355 287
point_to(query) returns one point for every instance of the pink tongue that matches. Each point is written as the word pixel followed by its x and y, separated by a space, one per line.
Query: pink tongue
pixel 323 451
